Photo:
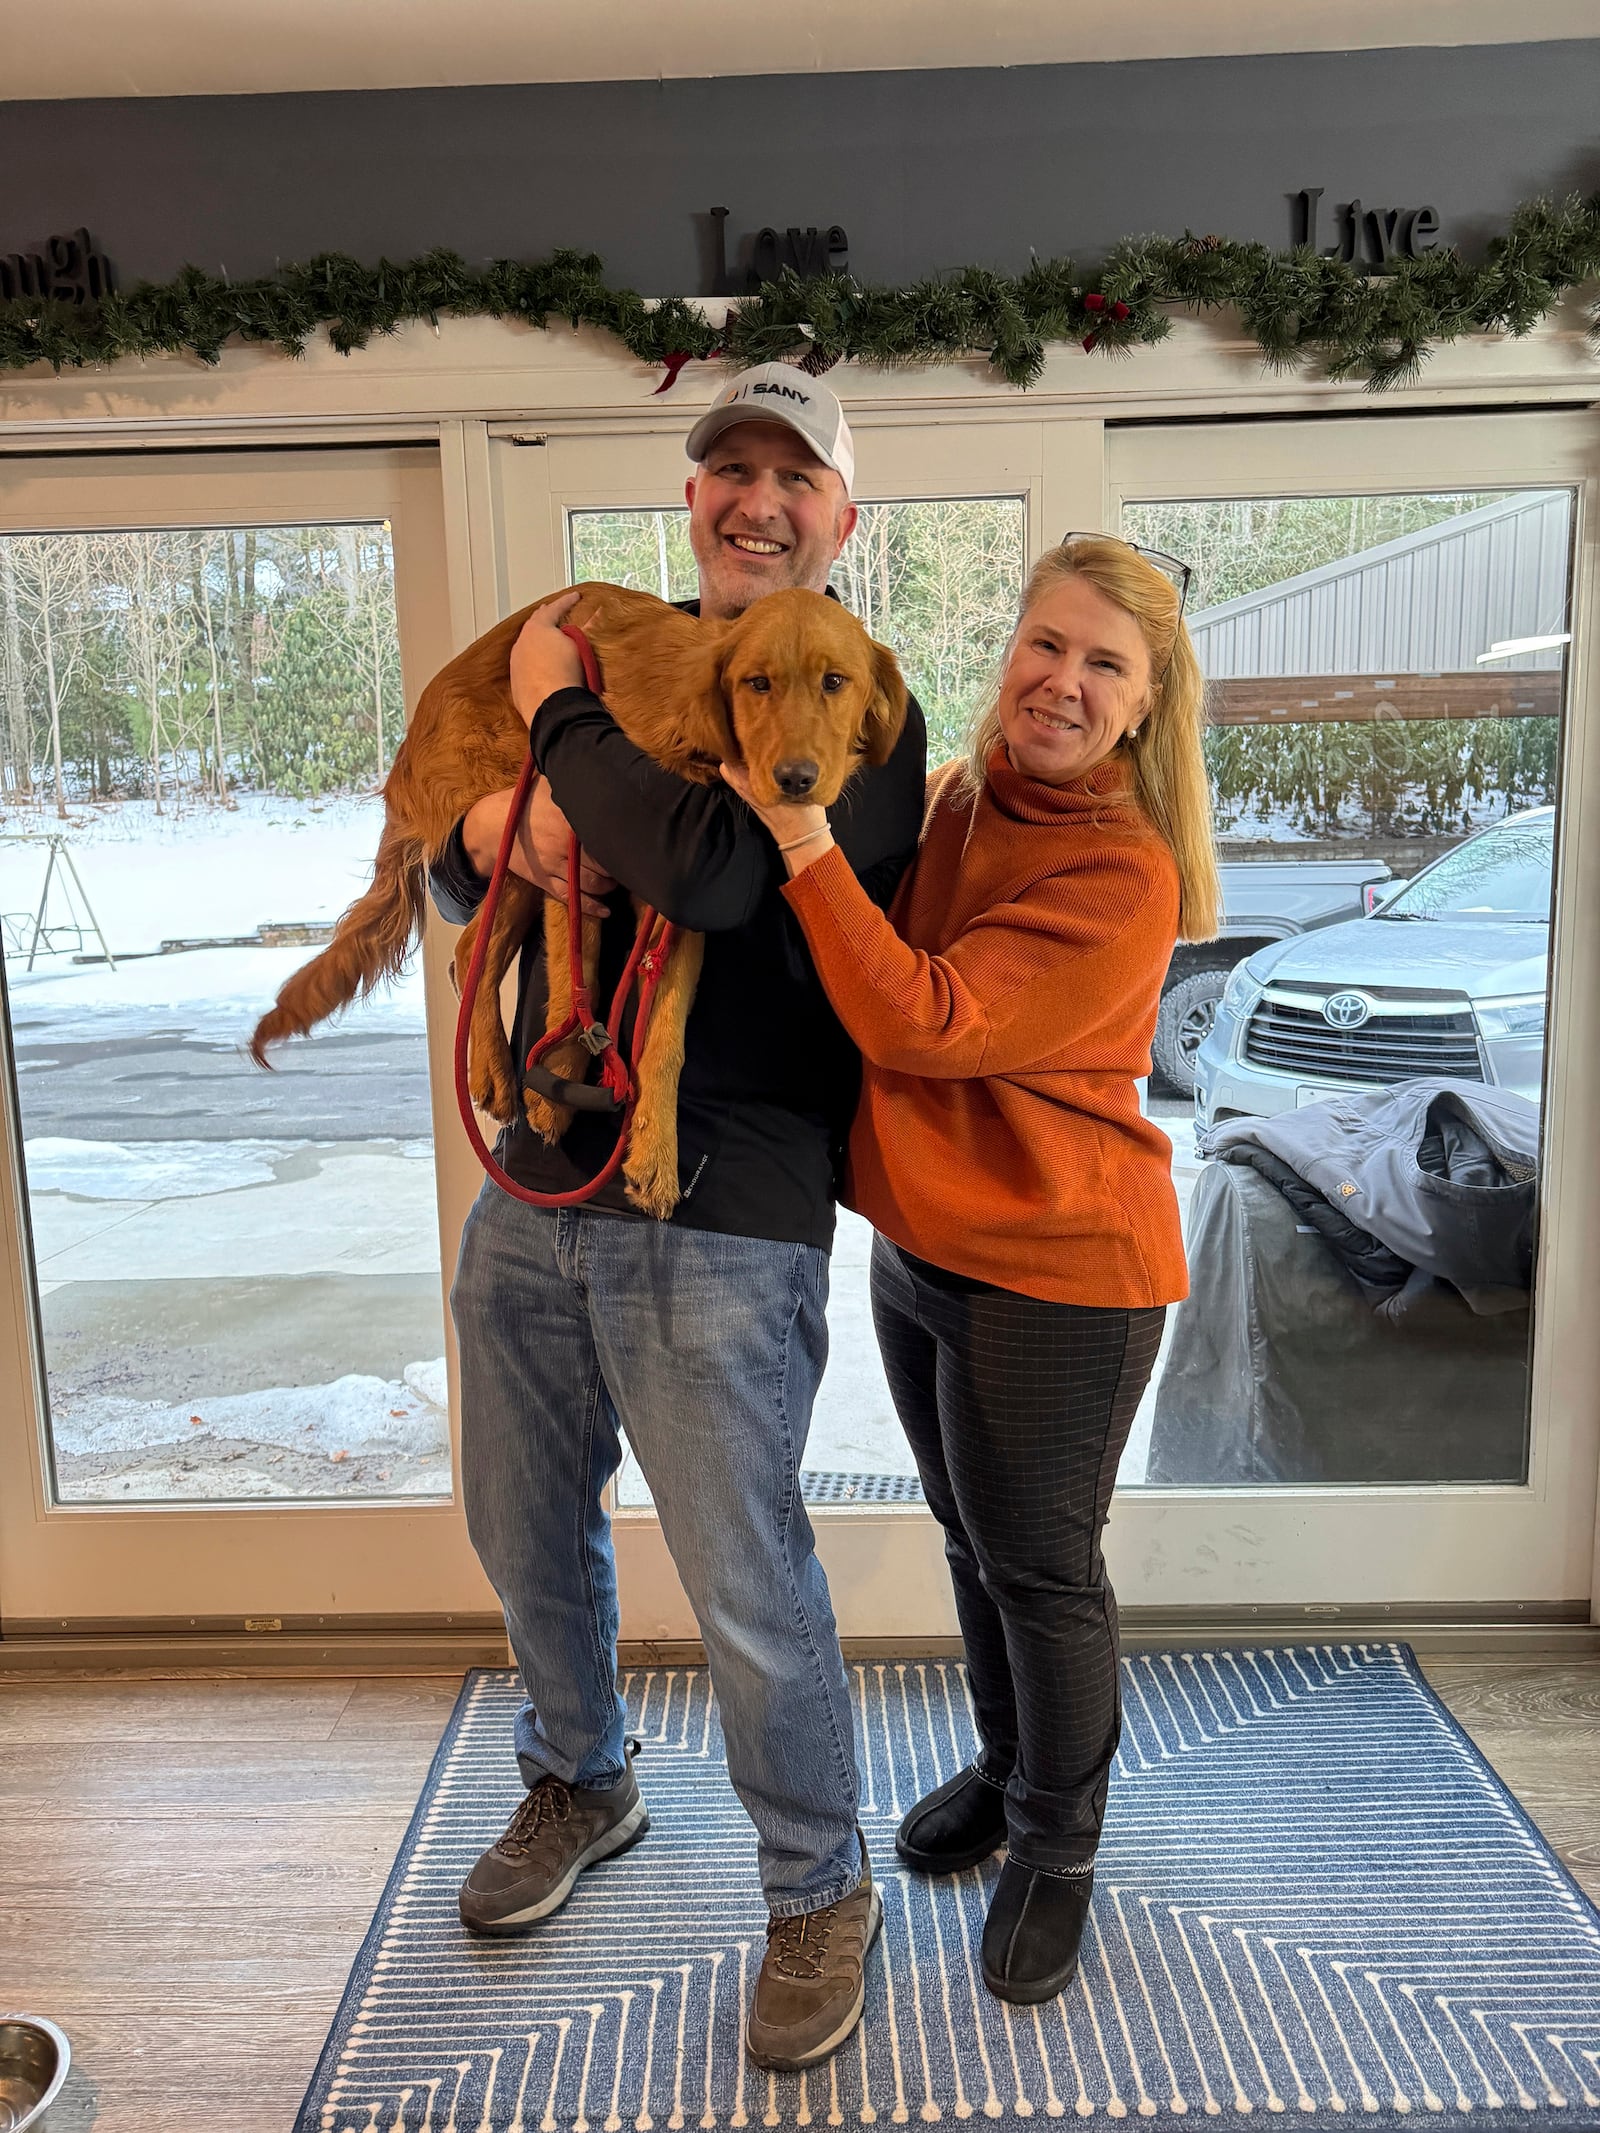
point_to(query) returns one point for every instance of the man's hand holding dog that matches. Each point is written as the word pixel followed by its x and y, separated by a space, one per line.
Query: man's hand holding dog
pixel 540 852
pixel 542 661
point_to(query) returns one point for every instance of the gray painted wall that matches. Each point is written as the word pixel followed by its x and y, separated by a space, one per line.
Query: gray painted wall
pixel 924 170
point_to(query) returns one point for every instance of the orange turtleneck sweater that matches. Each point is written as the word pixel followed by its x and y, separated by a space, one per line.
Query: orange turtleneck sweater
pixel 1004 1010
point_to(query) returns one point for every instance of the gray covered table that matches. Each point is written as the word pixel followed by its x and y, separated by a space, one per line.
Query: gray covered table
pixel 1280 1371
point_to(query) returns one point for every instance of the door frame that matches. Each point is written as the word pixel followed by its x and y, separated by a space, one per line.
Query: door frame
pixel 197 1562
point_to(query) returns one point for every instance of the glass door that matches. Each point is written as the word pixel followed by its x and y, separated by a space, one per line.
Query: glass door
pixel 226 1359
pixel 1391 618
pixel 948 522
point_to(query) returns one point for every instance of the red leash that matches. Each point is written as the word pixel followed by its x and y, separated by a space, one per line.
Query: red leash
pixel 617 1091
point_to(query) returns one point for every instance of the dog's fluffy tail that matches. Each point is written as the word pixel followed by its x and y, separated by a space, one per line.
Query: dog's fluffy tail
pixel 370 943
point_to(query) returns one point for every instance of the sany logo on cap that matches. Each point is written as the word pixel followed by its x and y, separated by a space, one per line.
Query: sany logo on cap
pixel 749 386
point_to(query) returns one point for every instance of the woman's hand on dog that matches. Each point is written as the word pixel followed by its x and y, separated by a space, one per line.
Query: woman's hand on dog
pixel 540 852
pixel 542 659
pixel 800 832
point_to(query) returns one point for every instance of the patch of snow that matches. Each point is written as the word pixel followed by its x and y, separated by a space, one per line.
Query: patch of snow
pixel 151 1170
pixel 428 1382
pixel 208 873
pixel 355 1414
pixel 216 995
pixel 211 870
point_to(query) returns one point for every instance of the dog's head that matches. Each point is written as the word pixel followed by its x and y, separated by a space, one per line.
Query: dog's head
pixel 808 696
pixel 793 688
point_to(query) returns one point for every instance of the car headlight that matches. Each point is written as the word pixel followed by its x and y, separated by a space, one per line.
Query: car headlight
pixel 1521 1017
pixel 1241 992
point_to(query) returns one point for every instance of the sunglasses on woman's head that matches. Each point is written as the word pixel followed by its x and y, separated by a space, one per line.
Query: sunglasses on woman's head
pixel 1169 565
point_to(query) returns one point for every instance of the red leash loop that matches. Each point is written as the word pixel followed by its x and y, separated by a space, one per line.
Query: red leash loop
pixel 647 962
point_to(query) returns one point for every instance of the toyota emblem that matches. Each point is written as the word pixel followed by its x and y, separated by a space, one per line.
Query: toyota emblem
pixel 1346 1010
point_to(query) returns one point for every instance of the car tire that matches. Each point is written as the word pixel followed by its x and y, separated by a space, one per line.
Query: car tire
pixel 1183 1022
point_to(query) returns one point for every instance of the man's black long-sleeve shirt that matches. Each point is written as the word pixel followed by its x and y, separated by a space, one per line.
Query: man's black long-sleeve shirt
pixel 770 1079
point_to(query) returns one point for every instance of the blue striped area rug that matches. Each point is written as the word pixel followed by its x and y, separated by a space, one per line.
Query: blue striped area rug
pixel 1313 1899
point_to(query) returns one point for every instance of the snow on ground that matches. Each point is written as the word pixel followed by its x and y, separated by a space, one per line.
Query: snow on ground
pixel 150 1170
pixel 210 870
pixel 353 1415
pixel 217 993
pixel 166 1170
pixel 207 874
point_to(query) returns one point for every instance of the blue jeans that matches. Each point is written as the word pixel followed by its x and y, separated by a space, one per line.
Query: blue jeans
pixel 708 1350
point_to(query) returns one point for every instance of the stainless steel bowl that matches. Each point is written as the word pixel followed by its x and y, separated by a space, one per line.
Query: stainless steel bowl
pixel 34 2057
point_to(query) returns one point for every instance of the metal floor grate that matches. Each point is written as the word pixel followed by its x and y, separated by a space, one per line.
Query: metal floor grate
pixel 860 1488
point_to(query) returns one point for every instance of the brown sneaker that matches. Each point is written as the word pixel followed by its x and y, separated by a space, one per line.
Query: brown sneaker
pixel 809 1995
pixel 556 1832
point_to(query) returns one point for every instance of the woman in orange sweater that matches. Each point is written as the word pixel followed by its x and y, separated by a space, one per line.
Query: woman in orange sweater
pixel 1028 1236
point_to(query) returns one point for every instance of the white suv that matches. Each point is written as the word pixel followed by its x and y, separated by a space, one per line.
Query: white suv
pixel 1447 975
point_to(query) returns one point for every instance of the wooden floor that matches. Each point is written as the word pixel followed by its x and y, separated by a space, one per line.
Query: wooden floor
pixel 187 1867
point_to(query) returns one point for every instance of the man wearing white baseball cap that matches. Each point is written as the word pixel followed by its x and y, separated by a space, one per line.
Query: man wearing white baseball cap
pixel 777 392
pixel 703 1337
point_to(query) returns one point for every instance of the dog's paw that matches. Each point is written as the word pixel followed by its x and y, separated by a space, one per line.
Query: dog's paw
pixel 652 1184
pixel 569 1061
pixel 550 1121
pixel 491 1088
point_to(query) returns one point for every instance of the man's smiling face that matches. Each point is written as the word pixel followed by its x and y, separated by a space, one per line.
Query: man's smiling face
pixel 764 513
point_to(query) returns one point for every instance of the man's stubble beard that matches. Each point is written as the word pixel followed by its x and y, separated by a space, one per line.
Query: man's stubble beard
pixel 741 598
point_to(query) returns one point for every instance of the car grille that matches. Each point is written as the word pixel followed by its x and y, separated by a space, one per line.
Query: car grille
pixel 1389 1048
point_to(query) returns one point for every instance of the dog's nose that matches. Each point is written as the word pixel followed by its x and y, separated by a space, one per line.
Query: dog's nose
pixel 795 780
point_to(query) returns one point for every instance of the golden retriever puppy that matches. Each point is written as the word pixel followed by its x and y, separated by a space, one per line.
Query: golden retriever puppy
pixel 794 689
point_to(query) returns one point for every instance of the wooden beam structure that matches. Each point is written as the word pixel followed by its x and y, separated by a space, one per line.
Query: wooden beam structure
pixel 1311 699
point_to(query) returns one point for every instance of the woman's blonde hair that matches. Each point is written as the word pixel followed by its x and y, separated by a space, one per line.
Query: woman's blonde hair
pixel 1166 759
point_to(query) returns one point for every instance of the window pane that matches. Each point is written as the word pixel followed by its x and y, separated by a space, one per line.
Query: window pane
pixel 238 1272
pixel 938 582
pixel 1387 677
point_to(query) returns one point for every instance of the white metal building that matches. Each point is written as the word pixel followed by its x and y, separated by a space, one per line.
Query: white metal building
pixel 1426 603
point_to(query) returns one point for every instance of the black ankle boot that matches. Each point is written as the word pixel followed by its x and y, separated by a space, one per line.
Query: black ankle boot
pixel 1031 1936
pixel 961 1823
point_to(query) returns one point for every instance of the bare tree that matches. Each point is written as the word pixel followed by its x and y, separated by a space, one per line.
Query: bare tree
pixel 13 677
pixel 365 634
pixel 202 586
pixel 155 637
pixel 54 578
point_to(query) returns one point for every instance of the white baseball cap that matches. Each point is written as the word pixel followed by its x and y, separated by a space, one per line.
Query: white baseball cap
pixel 778 392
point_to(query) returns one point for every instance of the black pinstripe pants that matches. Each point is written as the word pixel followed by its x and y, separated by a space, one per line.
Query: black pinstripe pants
pixel 1018 1411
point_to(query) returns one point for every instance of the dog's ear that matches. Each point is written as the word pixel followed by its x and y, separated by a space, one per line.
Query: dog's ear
pixel 884 719
pixel 664 684
pixel 711 703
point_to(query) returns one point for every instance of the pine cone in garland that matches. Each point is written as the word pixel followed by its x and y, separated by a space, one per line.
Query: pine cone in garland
pixel 1195 246
pixel 816 362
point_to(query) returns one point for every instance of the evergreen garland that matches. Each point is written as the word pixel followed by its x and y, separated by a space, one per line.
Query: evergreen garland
pixel 1373 325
